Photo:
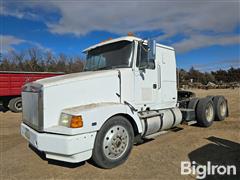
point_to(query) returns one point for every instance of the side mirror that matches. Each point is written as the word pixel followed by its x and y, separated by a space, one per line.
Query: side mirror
pixel 151 50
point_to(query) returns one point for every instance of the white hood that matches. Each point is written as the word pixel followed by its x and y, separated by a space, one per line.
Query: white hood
pixel 69 78
pixel 77 89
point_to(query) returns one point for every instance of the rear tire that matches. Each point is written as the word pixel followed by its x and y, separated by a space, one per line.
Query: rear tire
pixel 205 112
pixel 220 107
pixel 210 97
pixel 15 104
pixel 113 143
pixel 193 103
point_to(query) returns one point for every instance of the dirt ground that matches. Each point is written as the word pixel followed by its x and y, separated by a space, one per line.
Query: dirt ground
pixel 156 159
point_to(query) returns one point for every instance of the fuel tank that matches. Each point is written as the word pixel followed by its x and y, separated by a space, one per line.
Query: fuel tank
pixel 159 120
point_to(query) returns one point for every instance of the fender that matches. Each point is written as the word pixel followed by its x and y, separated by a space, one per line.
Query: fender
pixel 94 116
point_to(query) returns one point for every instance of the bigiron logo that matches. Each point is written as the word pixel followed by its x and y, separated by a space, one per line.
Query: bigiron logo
pixel 201 171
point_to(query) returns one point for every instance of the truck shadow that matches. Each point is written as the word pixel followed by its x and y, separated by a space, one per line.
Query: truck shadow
pixel 55 162
pixel 218 152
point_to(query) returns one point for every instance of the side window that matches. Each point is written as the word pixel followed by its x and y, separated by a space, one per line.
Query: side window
pixel 142 58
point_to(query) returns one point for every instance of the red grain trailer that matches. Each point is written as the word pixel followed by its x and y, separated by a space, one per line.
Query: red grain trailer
pixel 11 83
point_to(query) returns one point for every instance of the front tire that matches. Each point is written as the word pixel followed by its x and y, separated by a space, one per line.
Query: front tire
pixel 113 143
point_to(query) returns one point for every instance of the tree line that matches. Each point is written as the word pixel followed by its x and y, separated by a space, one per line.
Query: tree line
pixel 36 60
pixel 218 77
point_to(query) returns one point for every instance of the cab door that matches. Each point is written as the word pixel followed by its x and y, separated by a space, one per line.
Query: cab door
pixel 146 80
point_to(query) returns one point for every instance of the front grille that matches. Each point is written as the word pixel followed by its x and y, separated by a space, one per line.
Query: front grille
pixel 32 109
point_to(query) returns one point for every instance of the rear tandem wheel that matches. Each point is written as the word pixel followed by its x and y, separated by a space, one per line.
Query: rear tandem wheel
pixel 205 112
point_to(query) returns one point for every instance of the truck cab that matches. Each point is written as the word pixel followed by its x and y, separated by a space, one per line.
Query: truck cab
pixel 128 90
pixel 144 81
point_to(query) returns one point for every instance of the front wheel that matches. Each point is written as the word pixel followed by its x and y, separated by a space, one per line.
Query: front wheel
pixel 113 143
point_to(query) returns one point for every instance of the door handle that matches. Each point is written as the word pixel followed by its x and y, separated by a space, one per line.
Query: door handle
pixel 154 86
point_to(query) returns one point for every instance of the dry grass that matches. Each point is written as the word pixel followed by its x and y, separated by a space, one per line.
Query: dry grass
pixel 157 159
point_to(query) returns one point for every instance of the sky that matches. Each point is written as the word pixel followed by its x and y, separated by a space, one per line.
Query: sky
pixel 205 34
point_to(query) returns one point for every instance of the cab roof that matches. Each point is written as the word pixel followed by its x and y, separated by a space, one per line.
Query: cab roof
pixel 124 38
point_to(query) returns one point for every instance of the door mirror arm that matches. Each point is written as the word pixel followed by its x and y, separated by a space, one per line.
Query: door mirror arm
pixel 143 68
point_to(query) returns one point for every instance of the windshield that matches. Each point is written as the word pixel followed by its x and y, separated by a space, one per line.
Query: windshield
pixel 114 55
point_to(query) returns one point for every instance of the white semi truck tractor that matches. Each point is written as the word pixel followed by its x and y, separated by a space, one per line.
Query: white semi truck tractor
pixel 127 92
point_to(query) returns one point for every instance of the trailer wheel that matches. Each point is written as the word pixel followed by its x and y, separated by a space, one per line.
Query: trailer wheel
pixel 220 106
pixel 5 104
pixel 15 104
pixel 113 143
pixel 205 112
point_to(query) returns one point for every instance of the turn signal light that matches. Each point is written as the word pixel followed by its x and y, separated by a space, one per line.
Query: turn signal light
pixel 76 122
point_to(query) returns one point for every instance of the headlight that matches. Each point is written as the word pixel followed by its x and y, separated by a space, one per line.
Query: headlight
pixel 65 119
pixel 71 121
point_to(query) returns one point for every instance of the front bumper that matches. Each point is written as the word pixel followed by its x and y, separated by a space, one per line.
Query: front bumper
pixel 74 149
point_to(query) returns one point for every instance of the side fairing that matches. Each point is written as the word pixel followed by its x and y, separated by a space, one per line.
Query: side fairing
pixel 167 94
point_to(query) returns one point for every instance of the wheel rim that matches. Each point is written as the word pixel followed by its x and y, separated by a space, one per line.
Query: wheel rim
pixel 223 108
pixel 18 105
pixel 115 142
pixel 209 112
